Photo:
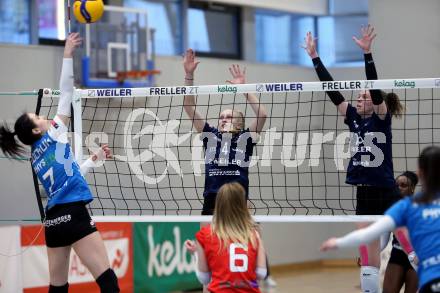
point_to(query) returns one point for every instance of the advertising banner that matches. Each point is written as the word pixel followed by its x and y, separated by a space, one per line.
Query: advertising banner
pixel 161 261
pixel 10 259
pixel 117 240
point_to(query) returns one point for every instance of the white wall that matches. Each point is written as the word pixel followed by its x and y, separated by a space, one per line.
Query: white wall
pixel 407 45
pixel 22 68
pixel 408 41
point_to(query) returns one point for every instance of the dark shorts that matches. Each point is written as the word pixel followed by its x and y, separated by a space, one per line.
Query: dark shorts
pixel 431 287
pixel 67 223
pixel 375 200
pixel 400 258
pixel 209 204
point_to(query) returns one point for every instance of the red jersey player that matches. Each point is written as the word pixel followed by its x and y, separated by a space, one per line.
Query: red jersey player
pixel 230 253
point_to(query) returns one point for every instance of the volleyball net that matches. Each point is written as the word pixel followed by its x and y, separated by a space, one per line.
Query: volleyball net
pixel 298 167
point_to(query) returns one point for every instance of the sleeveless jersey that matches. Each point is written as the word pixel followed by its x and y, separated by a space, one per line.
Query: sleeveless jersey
pixel 368 150
pixel 227 158
pixel 232 269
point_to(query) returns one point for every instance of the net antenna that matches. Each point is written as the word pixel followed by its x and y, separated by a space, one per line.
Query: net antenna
pixel 121 41
pixel 69 27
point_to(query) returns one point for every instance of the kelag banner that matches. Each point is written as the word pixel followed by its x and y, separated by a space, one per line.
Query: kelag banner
pixel 161 261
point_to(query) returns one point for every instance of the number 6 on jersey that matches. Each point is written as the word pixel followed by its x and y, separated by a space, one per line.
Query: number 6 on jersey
pixel 234 257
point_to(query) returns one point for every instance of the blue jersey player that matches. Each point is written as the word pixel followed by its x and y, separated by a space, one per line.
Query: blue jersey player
pixel 420 214
pixel 228 146
pixel 67 223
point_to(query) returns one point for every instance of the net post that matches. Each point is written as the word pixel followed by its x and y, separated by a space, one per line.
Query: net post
pixel 77 125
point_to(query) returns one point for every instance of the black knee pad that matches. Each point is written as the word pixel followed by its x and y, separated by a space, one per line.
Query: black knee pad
pixel 108 282
pixel 59 289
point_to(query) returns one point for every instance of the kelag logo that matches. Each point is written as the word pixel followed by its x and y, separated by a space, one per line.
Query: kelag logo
pixel 227 89
pixel 404 83
pixel 161 260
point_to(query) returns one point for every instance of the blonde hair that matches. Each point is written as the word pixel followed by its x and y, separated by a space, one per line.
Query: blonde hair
pixel 236 114
pixel 232 222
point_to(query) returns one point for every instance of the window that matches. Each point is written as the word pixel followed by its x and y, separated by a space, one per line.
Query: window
pixel 344 7
pixel 279 36
pixel 214 30
pixel 51 20
pixel 335 31
pixel 165 17
pixel 335 43
pixel 15 21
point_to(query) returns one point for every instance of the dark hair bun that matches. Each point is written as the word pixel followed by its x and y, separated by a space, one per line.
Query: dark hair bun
pixel 411 176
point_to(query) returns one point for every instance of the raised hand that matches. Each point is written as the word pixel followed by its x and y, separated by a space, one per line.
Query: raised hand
pixel 73 41
pixel 238 75
pixel 367 38
pixel 329 244
pixel 310 45
pixel 102 154
pixel 190 246
pixel 189 63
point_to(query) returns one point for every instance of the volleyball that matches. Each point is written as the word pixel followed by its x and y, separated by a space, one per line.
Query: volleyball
pixel 88 11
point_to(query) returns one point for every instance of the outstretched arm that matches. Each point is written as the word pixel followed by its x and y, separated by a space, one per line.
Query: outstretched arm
pixel 361 236
pixel 365 42
pixel 101 155
pixel 323 74
pixel 239 77
pixel 66 80
pixel 189 102
pixel 202 270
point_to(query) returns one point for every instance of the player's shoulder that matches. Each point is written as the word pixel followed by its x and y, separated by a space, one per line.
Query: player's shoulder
pixel 407 201
pixel 208 128
pixel 41 139
pixel 351 115
pixel 204 234
pixel 58 130
pixel 57 122
pixel 351 110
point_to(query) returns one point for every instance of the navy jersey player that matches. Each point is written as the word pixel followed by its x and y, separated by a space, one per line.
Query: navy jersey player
pixel 371 167
pixel 67 223
pixel 229 145
pixel 420 214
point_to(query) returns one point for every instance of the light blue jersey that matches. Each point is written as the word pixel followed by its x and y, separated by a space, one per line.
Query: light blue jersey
pixel 423 223
pixel 56 168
